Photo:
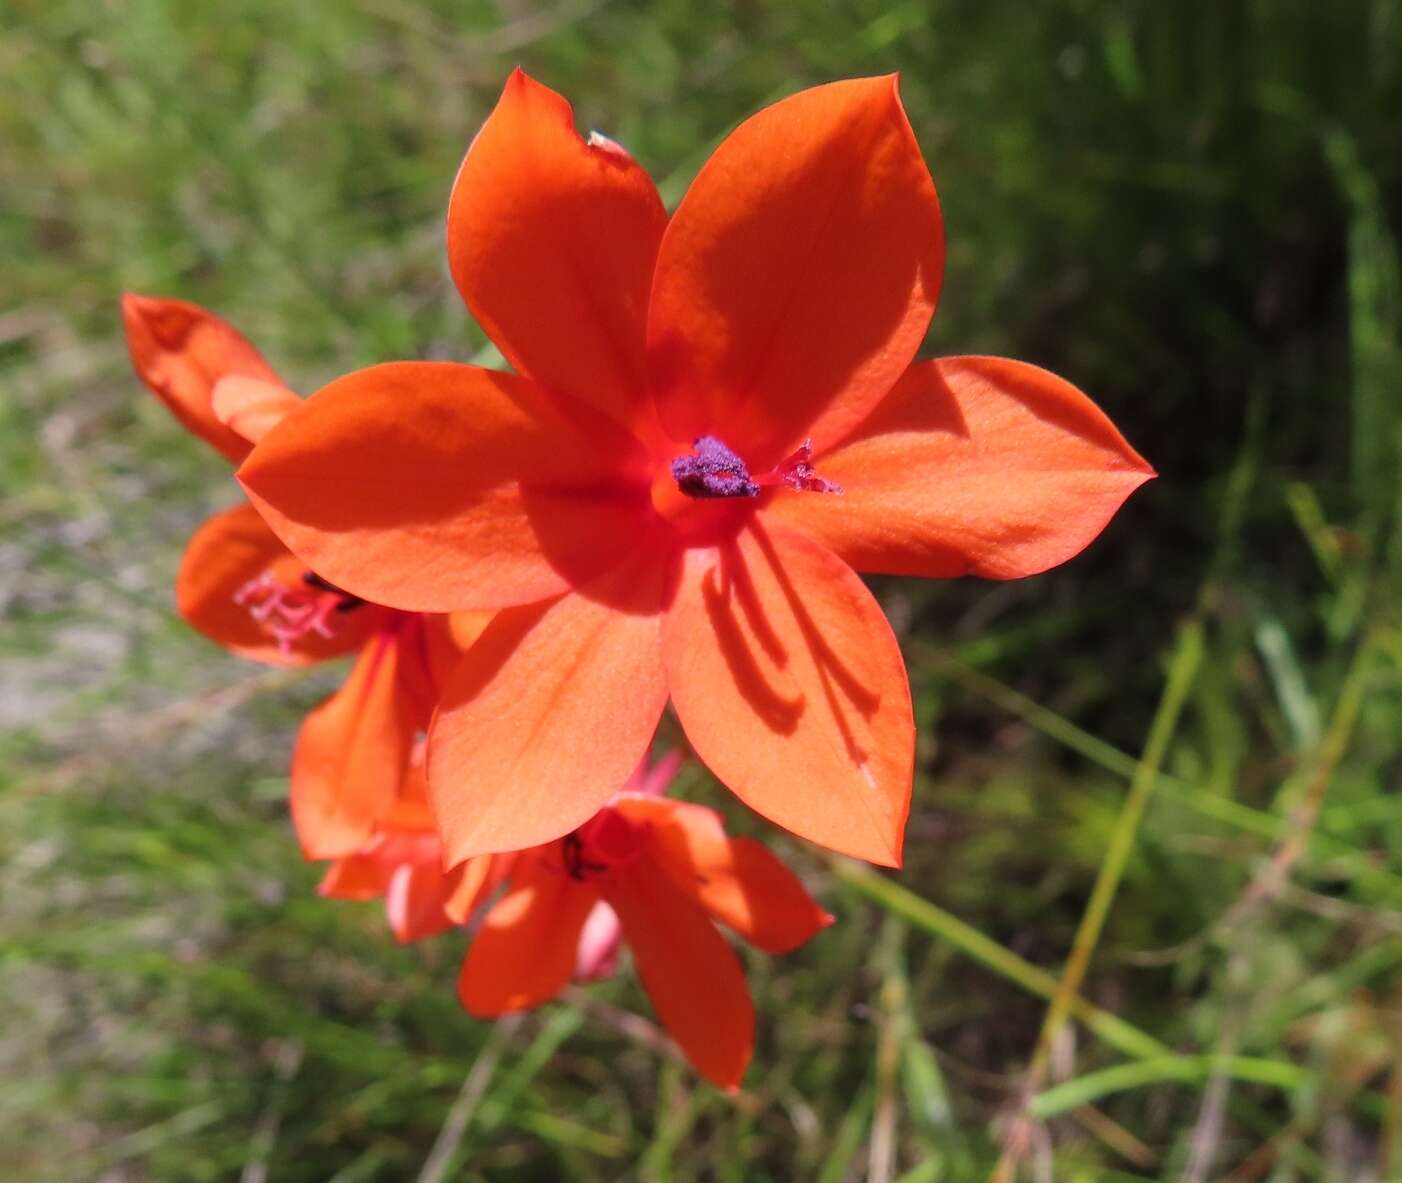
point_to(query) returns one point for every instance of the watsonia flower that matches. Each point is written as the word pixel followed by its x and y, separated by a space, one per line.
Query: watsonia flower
pixel 660 873
pixel 714 422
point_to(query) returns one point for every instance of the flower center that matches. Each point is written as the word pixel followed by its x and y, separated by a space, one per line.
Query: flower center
pixel 607 840
pixel 712 470
pixel 290 613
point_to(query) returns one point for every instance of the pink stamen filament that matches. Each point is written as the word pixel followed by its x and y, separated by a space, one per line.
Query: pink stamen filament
pixel 289 614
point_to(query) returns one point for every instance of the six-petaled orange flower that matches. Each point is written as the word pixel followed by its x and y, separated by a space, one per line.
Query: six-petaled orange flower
pixel 714 423
pixel 242 588
pixel 662 871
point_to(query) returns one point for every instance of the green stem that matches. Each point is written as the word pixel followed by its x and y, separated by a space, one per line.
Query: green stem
pixel 1202 801
pixel 889 894
pixel 1187 658
pixel 1084 1090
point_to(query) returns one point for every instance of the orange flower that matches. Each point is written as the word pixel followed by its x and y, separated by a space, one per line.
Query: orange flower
pixel 658 872
pixel 402 863
pixel 714 423
pixel 242 588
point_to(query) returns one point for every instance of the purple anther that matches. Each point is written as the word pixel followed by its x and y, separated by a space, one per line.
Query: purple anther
pixel 713 470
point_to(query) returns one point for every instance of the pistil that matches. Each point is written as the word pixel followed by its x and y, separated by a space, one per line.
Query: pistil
pixel 797 472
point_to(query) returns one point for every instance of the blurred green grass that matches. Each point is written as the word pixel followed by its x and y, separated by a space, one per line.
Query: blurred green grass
pixel 1190 210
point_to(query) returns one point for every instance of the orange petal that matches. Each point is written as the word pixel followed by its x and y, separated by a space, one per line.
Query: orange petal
pixel 475 880
pixel 411 813
pixel 435 487
pixel 552 240
pixel 250 406
pixel 351 755
pixel 972 466
pixel 414 902
pixel 692 976
pixel 798 275
pixel 433 645
pixel 791 688
pixel 547 716
pixel 737 880
pixel 356 877
pixel 524 952
pixel 181 351
pixel 448 637
pixel 227 553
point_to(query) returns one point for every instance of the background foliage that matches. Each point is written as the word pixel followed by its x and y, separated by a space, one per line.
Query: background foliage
pixel 1189 209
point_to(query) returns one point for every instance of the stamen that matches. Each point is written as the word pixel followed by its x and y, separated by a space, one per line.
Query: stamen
pixel 290 613
pixel 713 470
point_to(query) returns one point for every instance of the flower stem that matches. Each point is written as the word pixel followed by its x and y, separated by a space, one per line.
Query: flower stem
pixel 1083 1090
pixel 933 919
